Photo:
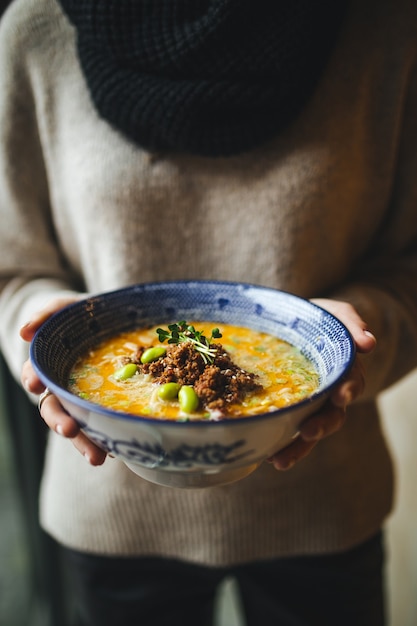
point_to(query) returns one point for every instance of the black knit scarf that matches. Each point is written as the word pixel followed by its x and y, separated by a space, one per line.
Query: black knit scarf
pixel 208 77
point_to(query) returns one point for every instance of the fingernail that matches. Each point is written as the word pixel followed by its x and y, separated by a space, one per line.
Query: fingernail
pixel 284 465
pixel 87 457
pixel 25 383
pixel 369 334
pixel 59 430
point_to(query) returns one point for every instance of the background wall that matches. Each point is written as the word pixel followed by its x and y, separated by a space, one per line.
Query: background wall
pixel 399 406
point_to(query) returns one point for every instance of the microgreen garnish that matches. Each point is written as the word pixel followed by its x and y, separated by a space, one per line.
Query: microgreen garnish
pixel 181 331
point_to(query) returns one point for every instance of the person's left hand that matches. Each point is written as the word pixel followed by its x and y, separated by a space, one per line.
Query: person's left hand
pixel 331 417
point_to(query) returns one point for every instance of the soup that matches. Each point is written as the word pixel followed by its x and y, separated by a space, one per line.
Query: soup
pixel 238 372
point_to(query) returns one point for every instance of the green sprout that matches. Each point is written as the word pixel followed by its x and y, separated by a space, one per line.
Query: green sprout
pixel 181 332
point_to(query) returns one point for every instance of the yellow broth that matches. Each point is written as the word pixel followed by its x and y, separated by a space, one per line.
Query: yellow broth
pixel 285 374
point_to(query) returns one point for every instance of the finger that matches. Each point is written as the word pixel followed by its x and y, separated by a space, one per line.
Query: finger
pixel 58 420
pixel 285 459
pixel 92 453
pixel 351 388
pixel 364 339
pixel 324 423
pixel 30 380
pixel 320 425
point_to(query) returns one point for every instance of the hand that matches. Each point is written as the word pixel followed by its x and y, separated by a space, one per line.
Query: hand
pixel 332 416
pixel 52 412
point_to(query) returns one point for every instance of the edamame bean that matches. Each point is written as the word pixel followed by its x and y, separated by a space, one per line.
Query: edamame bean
pixel 125 372
pixel 152 354
pixel 188 399
pixel 169 391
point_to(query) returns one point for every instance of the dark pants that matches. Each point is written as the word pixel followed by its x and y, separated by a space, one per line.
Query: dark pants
pixel 337 590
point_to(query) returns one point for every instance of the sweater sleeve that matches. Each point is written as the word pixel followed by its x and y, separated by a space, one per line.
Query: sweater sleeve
pixel 32 269
pixel 384 289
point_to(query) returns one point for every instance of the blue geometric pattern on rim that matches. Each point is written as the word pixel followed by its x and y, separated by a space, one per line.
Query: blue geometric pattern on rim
pixel 61 340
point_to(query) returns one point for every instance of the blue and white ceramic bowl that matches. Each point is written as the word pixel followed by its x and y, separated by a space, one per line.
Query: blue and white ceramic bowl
pixel 191 454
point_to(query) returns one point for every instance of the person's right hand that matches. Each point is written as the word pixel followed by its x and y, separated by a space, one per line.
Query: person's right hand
pixel 52 411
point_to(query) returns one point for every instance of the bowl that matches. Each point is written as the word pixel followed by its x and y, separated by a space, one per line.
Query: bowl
pixel 192 454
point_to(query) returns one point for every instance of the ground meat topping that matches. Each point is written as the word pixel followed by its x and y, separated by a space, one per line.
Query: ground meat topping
pixel 217 384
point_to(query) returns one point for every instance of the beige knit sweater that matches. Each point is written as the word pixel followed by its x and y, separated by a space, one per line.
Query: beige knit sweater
pixel 329 208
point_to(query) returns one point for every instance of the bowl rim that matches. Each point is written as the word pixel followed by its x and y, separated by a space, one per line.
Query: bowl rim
pixel 86 405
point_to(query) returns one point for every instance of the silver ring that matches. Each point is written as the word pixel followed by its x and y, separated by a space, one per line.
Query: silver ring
pixel 43 396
